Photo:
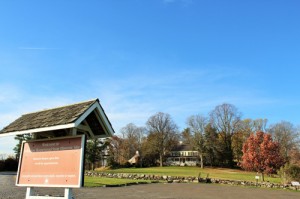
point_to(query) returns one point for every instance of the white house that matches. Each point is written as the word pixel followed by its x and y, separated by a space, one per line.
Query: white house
pixel 183 155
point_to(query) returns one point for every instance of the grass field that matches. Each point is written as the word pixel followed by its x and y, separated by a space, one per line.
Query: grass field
pixel 220 173
pixel 100 181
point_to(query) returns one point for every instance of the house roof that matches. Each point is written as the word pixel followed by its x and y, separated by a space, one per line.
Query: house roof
pixel 183 147
pixel 88 115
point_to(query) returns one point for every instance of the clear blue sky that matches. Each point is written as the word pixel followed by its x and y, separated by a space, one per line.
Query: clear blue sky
pixel 182 57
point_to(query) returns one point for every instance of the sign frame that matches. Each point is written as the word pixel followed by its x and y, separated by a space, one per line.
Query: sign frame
pixel 80 177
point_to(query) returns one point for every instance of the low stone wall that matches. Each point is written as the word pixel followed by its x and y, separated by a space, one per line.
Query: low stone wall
pixel 189 179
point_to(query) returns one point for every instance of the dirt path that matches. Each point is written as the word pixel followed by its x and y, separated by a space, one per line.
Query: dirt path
pixel 154 191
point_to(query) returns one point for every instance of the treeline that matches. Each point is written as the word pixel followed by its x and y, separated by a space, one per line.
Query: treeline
pixel 219 138
pixel 222 138
pixel 9 164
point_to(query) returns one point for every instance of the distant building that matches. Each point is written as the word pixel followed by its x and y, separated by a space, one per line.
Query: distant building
pixel 135 158
pixel 183 155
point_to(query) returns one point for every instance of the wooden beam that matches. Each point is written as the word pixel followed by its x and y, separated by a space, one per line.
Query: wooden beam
pixel 101 116
pixel 86 128
pixel 73 131
pixel 38 130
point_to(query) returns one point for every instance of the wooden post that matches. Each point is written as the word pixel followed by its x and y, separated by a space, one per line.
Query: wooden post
pixel 74 131
pixel 68 193
pixel 30 192
pixel 256 179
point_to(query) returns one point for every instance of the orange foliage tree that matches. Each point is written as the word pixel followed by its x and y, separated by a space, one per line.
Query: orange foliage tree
pixel 261 154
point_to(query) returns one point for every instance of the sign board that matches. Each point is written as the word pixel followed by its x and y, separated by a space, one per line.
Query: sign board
pixel 295 183
pixel 52 163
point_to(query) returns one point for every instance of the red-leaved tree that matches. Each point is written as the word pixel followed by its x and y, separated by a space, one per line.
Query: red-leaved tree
pixel 261 154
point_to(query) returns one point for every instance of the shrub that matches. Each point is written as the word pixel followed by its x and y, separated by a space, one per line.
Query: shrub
pixel 289 173
pixel 10 164
pixel 2 164
pixel 112 163
pixel 294 172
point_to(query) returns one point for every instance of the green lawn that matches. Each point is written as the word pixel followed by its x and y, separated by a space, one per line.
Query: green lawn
pixel 100 181
pixel 220 173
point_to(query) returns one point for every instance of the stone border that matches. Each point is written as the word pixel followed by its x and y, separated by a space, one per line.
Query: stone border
pixel 128 184
pixel 185 179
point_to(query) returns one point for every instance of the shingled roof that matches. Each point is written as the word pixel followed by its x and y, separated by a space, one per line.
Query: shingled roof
pixel 183 147
pixel 87 116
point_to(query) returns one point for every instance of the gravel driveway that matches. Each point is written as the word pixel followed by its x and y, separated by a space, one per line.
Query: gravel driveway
pixel 154 191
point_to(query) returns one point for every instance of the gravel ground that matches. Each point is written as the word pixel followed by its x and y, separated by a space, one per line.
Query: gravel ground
pixel 8 190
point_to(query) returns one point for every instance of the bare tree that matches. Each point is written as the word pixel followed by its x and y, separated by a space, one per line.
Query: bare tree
pixel 116 151
pixel 246 127
pixel 197 124
pixel 162 127
pixel 249 126
pixel 286 135
pixel 129 133
pixel 226 119
pixel 133 136
pixel 260 125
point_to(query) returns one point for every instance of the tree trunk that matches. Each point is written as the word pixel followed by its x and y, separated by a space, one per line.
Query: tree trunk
pixel 201 160
pixel 141 162
pixel 160 160
pixel 262 177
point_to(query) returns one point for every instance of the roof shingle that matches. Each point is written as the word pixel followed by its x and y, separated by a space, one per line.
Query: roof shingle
pixel 47 118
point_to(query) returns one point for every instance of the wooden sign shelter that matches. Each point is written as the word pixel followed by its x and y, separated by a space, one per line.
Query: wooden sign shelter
pixel 55 132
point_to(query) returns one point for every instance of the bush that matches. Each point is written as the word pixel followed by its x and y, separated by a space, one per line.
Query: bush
pixel 112 163
pixel 294 172
pixel 2 165
pixel 127 165
pixel 10 164
pixel 289 173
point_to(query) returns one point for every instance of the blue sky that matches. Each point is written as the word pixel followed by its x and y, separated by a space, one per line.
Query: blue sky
pixel 182 57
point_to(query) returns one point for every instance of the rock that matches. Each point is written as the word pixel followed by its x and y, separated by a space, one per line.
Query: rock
pixel 181 179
